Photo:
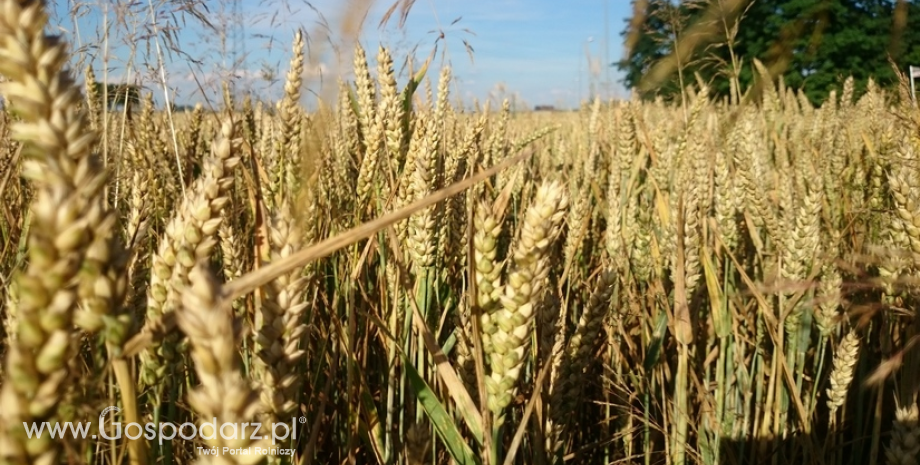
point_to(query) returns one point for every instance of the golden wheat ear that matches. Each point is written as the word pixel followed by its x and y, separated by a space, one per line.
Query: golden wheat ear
pixel 844 367
pixel 191 235
pixel 69 232
pixel 224 393
pixel 280 324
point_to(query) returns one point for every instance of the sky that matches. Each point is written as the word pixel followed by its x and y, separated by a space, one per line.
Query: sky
pixel 534 52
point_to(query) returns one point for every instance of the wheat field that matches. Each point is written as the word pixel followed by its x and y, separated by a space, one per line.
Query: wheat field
pixel 394 278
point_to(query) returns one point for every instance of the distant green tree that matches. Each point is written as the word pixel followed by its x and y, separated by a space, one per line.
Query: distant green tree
pixel 663 25
pixel 815 44
pixel 119 95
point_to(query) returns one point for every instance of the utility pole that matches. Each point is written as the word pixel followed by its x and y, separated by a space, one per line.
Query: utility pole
pixel 607 49
pixel 581 59
pixel 587 59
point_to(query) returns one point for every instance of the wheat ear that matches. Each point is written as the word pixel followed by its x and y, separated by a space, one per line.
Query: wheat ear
pixel 488 226
pixel 521 293
pixel 280 323
pixel 68 215
pixel 844 366
pixel 566 388
pixel 905 437
pixel 224 396
pixel 191 236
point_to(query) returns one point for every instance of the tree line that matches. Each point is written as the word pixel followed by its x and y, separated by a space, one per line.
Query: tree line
pixel 812 44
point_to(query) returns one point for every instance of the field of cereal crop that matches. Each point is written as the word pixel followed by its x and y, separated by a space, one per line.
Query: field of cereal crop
pixel 391 278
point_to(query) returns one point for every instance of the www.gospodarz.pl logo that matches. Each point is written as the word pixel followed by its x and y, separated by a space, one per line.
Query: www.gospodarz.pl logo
pixel 165 431
pixel 189 431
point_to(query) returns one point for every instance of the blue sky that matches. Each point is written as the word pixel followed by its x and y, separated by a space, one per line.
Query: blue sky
pixel 536 51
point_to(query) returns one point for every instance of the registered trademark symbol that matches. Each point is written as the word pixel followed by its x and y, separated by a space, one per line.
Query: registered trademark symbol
pixel 303 420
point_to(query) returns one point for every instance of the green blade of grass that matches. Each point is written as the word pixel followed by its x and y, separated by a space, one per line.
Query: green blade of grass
pixel 461 397
pixel 458 448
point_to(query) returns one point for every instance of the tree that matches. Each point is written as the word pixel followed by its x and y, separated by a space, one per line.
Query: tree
pixel 661 28
pixel 118 95
pixel 813 44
